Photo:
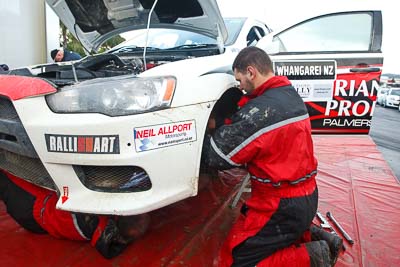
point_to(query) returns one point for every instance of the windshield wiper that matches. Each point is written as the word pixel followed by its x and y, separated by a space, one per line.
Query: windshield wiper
pixel 132 48
pixel 188 46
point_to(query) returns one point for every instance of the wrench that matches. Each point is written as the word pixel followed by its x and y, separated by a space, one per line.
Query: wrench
pixel 345 234
pixel 325 223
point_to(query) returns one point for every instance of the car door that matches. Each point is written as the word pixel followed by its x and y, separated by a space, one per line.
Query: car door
pixel 334 61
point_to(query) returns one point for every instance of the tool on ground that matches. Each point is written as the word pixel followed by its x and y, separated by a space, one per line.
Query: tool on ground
pixel 325 224
pixel 344 233
pixel 243 188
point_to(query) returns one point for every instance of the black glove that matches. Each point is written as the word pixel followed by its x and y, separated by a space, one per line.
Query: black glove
pixel 111 243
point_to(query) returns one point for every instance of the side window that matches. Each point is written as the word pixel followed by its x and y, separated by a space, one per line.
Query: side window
pixel 334 33
pixel 255 34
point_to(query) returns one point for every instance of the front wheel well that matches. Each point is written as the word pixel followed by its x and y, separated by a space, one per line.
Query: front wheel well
pixel 226 106
pixel 223 110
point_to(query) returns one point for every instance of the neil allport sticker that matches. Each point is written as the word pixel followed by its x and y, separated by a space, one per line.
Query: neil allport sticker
pixel 163 135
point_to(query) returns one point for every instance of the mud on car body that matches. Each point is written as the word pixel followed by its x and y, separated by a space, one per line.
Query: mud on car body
pixel 122 132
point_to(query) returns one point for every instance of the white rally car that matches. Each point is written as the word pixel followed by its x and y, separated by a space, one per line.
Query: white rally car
pixel 122 132
pixel 392 97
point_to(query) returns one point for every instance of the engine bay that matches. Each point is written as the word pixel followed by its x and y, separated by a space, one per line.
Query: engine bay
pixel 106 65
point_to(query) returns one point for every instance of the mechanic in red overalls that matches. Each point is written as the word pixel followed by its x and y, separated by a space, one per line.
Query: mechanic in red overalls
pixel 34 208
pixel 270 135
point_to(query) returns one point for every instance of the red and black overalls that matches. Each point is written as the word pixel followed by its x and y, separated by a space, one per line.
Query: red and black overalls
pixel 34 208
pixel 271 136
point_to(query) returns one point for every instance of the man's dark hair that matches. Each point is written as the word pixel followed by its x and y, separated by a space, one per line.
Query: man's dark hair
pixel 53 53
pixel 4 67
pixel 252 56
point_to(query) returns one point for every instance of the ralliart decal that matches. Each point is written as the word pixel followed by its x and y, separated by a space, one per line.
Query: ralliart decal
pixel 85 144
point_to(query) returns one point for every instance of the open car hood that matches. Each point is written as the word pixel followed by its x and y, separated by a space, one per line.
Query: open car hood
pixel 93 22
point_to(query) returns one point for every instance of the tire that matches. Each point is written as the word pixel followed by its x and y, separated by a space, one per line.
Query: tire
pixel 384 104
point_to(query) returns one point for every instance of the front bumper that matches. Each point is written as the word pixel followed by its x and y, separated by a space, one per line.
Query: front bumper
pixel 393 103
pixel 173 168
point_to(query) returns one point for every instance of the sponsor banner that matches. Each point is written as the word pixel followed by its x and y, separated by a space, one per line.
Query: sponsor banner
pixel 85 144
pixel 313 80
pixel 337 101
pixel 351 107
pixel 162 135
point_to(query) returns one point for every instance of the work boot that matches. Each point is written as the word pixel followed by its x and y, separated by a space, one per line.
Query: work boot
pixel 335 243
pixel 319 253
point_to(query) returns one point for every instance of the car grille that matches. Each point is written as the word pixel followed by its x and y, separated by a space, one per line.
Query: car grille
pixel 13 136
pixel 29 169
pixel 115 179
pixel 7 110
pixel 17 155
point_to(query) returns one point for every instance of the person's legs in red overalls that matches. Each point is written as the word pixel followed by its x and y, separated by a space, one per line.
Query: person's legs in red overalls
pixel 34 208
pixel 20 202
pixel 270 236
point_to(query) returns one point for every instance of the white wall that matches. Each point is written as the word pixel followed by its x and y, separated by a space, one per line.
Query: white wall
pixel 52 32
pixel 22 32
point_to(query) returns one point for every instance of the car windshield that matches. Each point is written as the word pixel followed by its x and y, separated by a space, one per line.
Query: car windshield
pixel 172 38
pixel 162 39
pixel 396 92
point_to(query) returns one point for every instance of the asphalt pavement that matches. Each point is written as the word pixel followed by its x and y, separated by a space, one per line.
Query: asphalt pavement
pixel 385 131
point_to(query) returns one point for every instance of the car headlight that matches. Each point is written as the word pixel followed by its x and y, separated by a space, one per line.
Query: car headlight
pixel 115 96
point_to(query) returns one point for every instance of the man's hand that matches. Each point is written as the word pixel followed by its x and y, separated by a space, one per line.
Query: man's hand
pixel 211 125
